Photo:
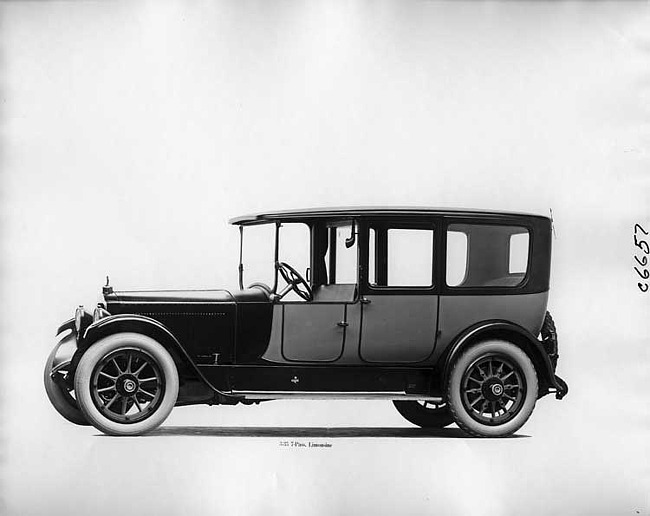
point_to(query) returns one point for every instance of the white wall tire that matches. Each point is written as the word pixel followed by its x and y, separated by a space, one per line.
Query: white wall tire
pixel 492 389
pixel 126 384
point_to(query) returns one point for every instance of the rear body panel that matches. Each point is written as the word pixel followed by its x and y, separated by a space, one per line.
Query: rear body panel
pixel 457 313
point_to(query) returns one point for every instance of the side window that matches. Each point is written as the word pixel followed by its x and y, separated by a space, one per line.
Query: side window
pixel 518 253
pixel 400 257
pixel 345 258
pixel 482 255
pixel 294 246
pixel 372 270
pixel 456 257
pixel 295 250
pixel 410 258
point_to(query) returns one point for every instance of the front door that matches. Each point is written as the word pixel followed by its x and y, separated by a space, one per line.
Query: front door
pixel 313 332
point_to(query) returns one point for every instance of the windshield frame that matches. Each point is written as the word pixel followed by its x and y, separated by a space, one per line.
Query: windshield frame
pixel 276 249
pixel 276 246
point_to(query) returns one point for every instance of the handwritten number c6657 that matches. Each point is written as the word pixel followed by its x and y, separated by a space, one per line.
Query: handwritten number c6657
pixel 643 262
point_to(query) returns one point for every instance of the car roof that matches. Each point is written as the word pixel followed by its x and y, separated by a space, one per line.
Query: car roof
pixel 367 211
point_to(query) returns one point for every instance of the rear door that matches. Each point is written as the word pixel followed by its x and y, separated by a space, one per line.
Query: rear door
pixel 400 300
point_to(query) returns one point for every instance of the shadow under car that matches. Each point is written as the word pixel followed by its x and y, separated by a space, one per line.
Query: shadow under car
pixel 313 432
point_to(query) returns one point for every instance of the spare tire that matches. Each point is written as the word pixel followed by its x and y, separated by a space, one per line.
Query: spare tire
pixel 549 338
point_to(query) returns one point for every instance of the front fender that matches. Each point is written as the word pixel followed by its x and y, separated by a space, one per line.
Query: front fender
pixel 517 335
pixel 105 326
pixel 148 326
pixel 68 325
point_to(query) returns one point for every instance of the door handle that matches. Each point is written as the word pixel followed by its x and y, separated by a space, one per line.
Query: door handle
pixel 342 324
pixel 365 300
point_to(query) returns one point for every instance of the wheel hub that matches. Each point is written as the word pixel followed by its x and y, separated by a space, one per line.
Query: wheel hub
pixel 127 384
pixel 493 389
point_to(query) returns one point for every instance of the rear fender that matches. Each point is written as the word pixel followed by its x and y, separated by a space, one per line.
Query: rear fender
pixel 512 333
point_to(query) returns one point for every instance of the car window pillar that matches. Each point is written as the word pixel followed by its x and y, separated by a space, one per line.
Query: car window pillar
pixel 241 257
pixel 319 234
pixel 332 258
pixel 381 255
pixel 276 257
pixel 362 256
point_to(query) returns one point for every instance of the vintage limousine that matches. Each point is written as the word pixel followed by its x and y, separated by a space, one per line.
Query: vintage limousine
pixel 442 311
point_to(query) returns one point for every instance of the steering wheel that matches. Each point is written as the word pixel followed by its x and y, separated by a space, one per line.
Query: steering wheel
pixel 294 281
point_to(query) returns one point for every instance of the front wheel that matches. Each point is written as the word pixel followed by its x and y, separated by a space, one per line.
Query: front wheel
pixel 126 384
pixel 60 392
pixel 425 414
pixel 492 389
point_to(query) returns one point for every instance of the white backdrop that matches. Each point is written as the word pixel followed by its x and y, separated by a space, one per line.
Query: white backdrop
pixel 131 132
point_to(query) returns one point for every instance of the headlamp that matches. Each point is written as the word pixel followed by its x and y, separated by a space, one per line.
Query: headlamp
pixel 100 312
pixel 78 317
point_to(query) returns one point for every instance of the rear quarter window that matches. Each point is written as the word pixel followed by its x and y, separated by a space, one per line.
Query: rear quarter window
pixel 482 255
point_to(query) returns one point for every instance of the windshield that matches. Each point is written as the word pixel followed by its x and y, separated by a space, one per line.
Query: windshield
pixel 258 253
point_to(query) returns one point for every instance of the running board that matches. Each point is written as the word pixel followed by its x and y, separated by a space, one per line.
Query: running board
pixel 301 395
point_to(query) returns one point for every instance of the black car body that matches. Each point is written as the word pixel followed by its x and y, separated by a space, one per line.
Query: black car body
pixel 367 336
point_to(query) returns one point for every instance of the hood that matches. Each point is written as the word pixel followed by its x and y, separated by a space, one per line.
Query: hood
pixel 170 296
pixel 184 296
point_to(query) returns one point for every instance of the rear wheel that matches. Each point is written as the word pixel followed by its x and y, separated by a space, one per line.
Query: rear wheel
pixel 126 384
pixel 492 389
pixel 426 414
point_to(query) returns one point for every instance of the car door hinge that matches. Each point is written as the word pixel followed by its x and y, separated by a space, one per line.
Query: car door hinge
pixel 342 324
